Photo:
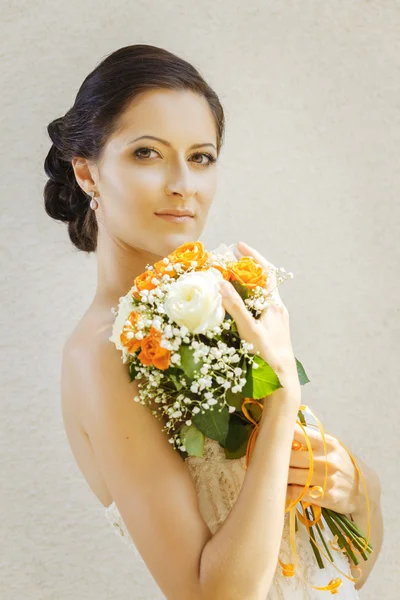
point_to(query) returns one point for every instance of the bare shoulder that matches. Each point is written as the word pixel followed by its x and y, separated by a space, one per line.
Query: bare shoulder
pixel 146 477
pixel 93 329
pixel 88 338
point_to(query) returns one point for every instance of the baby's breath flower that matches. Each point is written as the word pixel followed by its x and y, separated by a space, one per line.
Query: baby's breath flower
pixel 176 359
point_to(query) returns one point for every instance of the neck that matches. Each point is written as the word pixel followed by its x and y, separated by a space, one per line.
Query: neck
pixel 117 267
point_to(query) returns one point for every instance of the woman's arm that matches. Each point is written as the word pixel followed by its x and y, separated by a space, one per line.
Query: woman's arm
pixel 239 561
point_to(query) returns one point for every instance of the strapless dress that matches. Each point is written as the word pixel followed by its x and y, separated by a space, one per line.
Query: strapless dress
pixel 218 481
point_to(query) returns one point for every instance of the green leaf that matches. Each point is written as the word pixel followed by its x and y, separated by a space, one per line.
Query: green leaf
pixel 234 399
pixel 212 423
pixel 133 372
pixel 302 418
pixel 189 367
pixel 260 382
pixel 242 290
pixel 174 374
pixel 234 328
pixel 192 439
pixel 178 385
pixel 237 438
pixel 301 373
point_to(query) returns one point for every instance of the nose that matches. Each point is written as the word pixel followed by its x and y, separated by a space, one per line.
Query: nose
pixel 181 182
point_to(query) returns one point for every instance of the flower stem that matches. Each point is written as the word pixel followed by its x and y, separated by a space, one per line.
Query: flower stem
pixel 341 539
pixel 314 547
pixel 350 524
pixel 357 540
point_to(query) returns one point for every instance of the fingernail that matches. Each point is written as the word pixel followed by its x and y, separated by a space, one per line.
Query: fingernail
pixel 244 246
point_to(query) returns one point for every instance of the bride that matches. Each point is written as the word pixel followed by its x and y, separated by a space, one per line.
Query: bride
pixel 141 144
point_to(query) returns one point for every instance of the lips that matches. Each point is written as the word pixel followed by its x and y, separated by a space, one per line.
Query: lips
pixel 173 215
pixel 175 218
pixel 176 213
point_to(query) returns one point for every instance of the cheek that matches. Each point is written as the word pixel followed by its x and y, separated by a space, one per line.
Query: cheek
pixel 210 185
pixel 147 180
pixel 127 179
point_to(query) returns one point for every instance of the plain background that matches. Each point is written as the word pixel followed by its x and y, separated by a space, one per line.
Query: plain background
pixel 309 175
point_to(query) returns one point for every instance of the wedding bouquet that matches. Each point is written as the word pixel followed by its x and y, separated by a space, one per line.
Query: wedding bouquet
pixel 185 350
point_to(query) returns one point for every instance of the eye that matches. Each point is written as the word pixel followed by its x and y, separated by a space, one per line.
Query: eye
pixel 210 157
pixel 140 151
pixel 139 157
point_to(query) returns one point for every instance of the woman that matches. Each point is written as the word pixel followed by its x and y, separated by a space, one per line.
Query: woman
pixel 143 138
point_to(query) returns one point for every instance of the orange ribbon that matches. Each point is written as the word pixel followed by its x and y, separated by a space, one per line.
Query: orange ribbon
pixel 288 569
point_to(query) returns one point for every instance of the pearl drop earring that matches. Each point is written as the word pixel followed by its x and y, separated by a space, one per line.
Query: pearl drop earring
pixel 93 203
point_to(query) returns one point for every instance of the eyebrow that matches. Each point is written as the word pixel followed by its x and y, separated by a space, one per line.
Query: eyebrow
pixel 152 137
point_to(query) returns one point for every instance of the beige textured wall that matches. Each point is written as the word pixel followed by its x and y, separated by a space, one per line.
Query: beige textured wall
pixel 309 176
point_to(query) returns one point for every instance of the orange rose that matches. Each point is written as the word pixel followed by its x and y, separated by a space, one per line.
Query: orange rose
pixel 144 282
pixel 224 272
pixel 248 272
pixel 160 269
pixel 185 253
pixel 129 342
pixel 152 353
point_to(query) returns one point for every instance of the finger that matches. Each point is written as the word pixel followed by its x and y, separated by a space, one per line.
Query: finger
pixel 299 476
pixel 293 492
pixel 234 305
pixel 300 460
pixel 313 435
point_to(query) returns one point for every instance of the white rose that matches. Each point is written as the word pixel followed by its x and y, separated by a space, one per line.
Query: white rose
pixel 194 301
pixel 125 308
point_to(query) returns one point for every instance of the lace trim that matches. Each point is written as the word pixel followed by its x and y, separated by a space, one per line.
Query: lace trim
pixel 114 517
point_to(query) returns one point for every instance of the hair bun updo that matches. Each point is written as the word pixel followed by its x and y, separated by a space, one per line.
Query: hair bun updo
pixel 64 200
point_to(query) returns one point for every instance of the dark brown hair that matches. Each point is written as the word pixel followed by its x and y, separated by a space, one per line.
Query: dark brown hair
pixel 83 131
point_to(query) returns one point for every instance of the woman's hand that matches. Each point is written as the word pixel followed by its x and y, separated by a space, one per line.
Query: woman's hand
pixel 342 485
pixel 270 334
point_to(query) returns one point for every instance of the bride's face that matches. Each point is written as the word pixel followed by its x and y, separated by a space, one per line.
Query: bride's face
pixel 136 178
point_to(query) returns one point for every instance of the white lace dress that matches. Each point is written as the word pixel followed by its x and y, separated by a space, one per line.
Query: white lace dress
pixel 218 481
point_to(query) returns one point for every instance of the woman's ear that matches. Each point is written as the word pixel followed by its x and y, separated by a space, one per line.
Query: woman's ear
pixel 83 174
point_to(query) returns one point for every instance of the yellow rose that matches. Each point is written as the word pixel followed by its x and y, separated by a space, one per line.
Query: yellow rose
pixel 248 272
pixel 144 282
pixel 188 252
